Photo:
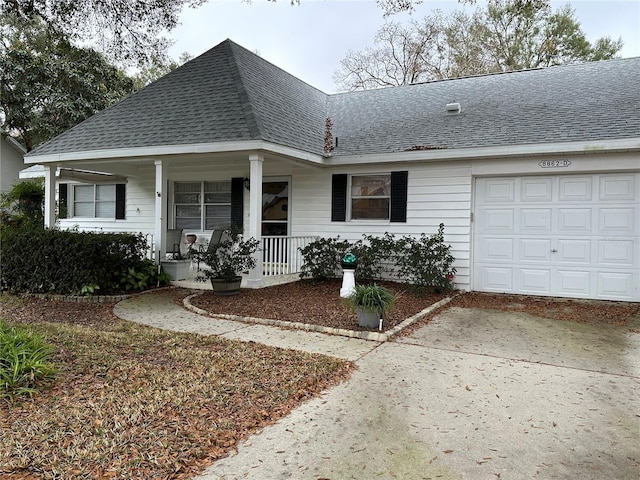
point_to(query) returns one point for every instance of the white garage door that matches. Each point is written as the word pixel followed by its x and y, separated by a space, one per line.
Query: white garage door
pixel 562 235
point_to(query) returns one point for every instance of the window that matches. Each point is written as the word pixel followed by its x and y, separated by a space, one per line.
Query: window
pixel 202 205
pixel 370 197
pixel 94 201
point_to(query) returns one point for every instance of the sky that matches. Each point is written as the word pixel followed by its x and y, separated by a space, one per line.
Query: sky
pixel 310 39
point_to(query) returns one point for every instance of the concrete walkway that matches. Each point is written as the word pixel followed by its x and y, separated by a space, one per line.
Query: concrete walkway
pixel 475 394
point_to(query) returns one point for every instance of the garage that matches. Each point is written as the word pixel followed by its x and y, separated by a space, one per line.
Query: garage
pixel 558 235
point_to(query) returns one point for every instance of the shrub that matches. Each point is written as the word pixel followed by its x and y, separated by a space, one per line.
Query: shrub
pixel 24 362
pixel 372 298
pixel 322 258
pixel 425 262
pixel 71 262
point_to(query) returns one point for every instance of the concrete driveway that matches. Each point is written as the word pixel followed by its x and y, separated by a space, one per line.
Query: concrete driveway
pixel 476 394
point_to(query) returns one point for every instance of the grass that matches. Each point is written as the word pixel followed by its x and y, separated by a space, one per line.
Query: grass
pixel 130 401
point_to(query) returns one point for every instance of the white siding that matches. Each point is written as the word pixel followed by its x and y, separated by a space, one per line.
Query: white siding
pixel 437 193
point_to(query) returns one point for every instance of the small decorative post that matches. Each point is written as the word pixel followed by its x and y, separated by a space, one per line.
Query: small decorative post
pixel 349 263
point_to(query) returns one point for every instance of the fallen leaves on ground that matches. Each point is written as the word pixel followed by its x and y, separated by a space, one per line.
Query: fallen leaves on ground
pixel 132 401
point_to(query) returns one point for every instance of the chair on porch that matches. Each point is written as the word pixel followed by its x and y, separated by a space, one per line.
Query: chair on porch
pixel 174 241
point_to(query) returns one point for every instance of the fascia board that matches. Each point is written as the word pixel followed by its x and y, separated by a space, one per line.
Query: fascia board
pixel 543 149
pixel 166 150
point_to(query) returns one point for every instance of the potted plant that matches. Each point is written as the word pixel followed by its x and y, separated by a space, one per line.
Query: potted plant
pixel 177 267
pixel 226 259
pixel 371 302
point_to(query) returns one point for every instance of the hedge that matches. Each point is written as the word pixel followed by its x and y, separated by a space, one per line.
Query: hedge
pixel 72 262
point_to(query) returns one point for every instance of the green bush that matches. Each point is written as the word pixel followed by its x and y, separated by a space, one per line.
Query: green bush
pixel 322 258
pixel 24 362
pixel 72 262
pixel 425 262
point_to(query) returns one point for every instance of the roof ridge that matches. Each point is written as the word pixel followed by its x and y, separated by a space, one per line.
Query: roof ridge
pixel 253 121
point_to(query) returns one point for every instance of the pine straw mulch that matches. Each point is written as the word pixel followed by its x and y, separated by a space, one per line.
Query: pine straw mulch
pixel 131 401
pixel 318 304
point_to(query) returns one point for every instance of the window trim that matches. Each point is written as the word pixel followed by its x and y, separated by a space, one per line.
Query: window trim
pixel 236 202
pixel 68 198
pixel 340 198
pixel 351 197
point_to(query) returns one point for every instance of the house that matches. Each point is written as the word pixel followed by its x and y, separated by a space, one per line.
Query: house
pixel 535 173
pixel 11 161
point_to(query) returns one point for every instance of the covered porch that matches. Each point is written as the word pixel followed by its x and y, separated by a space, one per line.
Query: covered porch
pixel 154 204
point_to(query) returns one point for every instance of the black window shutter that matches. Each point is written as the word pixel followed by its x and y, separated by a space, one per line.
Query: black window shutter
pixel 63 196
pixel 339 197
pixel 399 182
pixel 121 203
pixel 237 201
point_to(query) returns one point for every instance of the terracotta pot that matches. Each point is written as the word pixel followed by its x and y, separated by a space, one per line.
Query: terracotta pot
pixel 191 238
pixel 222 288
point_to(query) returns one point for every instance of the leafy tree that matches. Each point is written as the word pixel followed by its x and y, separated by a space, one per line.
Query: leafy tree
pixel 506 35
pixel 129 31
pixel 48 85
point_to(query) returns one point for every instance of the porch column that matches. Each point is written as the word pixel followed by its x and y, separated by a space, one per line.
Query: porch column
pixel 160 217
pixel 255 215
pixel 50 196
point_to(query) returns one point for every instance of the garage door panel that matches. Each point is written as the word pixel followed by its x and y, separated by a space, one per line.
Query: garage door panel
pixel 502 190
pixel 535 220
pixel 615 285
pixel 574 220
pixel 534 250
pixel 496 221
pixel 616 221
pixel 498 249
pixel 497 279
pixel 536 189
pixel 536 281
pixel 614 188
pixel 618 252
pixel 573 283
pixel 575 189
pixel 574 251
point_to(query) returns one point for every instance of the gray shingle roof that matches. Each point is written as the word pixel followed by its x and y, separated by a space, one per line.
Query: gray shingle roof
pixel 225 94
pixel 231 94
pixel 591 101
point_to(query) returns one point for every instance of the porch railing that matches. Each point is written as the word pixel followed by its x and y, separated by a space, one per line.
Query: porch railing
pixel 281 255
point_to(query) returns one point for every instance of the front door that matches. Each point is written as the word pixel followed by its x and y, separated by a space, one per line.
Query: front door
pixel 275 208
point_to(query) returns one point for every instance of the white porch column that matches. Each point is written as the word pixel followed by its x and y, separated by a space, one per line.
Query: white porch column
pixel 50 196
pixel 160 217
pixel 255 215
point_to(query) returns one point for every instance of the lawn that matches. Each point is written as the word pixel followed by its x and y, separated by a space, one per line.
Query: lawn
pixel 131 401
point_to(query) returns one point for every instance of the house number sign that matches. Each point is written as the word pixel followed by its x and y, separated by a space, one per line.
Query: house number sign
pixel 554 163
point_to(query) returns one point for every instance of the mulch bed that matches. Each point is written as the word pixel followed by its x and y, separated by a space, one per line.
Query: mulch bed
pixel 321 304
pixel 318 304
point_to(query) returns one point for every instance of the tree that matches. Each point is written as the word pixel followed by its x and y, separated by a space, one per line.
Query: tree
pixel 506 35
pixel 47 85
pixel 128 31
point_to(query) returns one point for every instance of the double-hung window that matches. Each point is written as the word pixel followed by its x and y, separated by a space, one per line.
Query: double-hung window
pixel 370 197
pixel 94 201
pixel 202 205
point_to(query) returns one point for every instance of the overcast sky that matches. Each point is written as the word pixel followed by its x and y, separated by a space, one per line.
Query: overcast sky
pixel 309 40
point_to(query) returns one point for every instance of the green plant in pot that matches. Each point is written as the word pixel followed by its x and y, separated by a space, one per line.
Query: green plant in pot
pixel 227 256
pixel 371 303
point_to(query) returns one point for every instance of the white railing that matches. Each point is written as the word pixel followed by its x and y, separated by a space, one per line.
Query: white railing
pixel 281 255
